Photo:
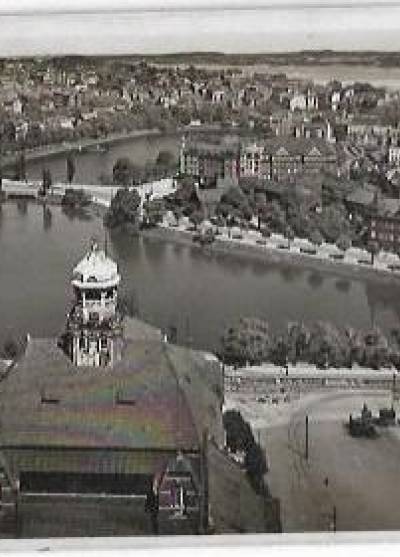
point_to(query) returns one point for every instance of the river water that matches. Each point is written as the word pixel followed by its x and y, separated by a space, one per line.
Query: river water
pixel 96 167
pixel 198 292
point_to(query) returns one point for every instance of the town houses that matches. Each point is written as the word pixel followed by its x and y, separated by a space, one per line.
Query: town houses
pixel 278 159
pixel 45 101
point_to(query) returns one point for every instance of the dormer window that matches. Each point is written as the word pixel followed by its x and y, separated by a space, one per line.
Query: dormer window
pixel 124 398
pixel 49 397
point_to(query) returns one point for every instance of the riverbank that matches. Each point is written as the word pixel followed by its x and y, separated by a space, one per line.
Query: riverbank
pixel 85 145
pixel 271 255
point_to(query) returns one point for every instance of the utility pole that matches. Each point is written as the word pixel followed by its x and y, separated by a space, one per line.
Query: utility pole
pixel 260 475
pixel 306 453
pixel 203 496
pixel 334 518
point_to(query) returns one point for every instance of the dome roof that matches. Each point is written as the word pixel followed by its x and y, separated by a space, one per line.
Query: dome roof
pixel 96 270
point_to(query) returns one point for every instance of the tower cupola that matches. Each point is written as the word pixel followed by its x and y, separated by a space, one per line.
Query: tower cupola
pixel 94 324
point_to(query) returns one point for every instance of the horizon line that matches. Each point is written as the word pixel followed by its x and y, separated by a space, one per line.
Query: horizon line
pixel 208 53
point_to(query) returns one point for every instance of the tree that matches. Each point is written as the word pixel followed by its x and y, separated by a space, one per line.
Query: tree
pixel 333 222
pixel 256 466
pixel 46 180
pixel 248 341
pixel 276 217
pixel 316 238
pixel 123 172
pixel 70 169
pixel 166 160
pixel 12 348
pixel 197 218
pixel 20 167
pixel 343 242
pixel 289 234
pixel 234 203
pixel 298 336
pixel 373 249
pixel 124 210
pixel 238 432
pixel 153 211
pixel 75 199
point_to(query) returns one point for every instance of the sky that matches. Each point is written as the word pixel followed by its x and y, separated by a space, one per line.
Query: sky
pixel 29 27
pixel 22 6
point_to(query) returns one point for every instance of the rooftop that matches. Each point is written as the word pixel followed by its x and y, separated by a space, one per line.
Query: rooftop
pixel 156 397
pixel 95 269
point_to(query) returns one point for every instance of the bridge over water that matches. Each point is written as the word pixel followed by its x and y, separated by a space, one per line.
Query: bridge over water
pixel 101 195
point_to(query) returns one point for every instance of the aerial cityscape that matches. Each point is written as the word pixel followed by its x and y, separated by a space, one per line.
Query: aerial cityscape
pixel 199 292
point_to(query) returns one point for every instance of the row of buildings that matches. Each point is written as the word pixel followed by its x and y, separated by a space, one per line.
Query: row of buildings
pixel 39 98
pixel 278 159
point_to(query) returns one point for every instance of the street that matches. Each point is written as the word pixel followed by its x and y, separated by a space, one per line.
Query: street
pixel 360 477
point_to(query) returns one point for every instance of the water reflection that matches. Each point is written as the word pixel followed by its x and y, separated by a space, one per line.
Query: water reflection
pixel 315 279
pixel 79 213
pixel 22 206
pixel 260 268
pixel 47 217
pixel 343 285
pixel 174 282
pixel 289 273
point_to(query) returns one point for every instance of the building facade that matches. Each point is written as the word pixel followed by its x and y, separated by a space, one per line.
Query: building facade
pixel 278 159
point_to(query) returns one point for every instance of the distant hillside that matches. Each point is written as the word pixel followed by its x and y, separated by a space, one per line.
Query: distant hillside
pixel 300 58
pixel 326 57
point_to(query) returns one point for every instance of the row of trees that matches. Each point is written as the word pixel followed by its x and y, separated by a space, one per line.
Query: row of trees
pixel 239 438
pixel 20 169
pixel 292 214
pixel 251 341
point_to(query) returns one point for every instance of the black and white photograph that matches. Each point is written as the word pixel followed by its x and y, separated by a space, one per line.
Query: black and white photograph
pixel 199 268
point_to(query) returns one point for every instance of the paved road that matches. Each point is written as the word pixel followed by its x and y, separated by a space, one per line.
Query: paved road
pixel 363 475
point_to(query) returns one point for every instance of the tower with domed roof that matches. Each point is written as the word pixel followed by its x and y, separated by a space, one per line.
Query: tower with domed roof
pixel 94 328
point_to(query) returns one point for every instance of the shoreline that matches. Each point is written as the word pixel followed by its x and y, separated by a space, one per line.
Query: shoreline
pixel 54 150
pixel 259 253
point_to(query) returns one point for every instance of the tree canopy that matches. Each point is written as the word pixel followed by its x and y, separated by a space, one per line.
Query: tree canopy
pixel 124 210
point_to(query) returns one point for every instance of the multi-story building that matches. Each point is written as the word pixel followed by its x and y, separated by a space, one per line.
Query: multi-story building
pixel 280 159
pixel 286 158
pixel 380 215
pixel 210 160
pixel 394 155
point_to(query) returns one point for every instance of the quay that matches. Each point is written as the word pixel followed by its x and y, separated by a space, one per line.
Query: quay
pixel 269 378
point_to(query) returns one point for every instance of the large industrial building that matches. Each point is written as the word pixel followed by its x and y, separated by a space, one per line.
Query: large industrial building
pixel 112 430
